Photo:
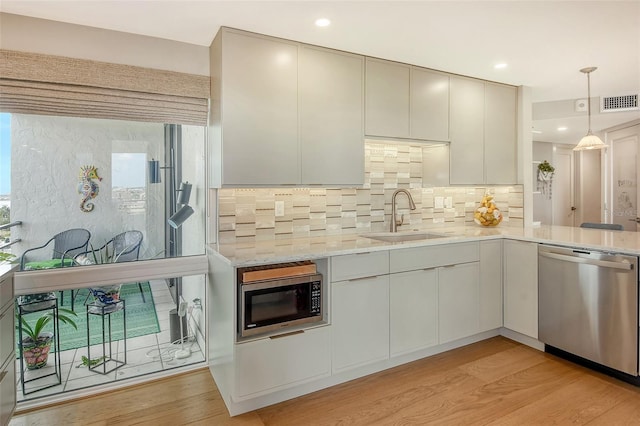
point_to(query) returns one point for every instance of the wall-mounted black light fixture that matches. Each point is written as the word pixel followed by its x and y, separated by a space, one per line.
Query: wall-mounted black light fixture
pixel 185 193
pixel 183 213
pixel 154 171
pixel 178 216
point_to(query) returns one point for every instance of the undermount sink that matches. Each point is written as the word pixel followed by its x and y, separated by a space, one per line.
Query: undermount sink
pixel 394 237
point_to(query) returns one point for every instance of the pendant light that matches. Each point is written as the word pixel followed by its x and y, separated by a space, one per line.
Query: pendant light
pixel 590 141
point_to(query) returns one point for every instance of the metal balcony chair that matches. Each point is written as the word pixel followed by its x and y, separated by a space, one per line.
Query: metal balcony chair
pixel 66 245
pixel 609 226
pixel 124 247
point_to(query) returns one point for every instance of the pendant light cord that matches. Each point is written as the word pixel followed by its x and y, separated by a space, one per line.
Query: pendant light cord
pixel 589 100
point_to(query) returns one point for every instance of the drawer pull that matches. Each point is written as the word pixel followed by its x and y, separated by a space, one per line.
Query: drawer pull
pixel 364 252
pixel 3 375
pixel 363 278
pixel 279 336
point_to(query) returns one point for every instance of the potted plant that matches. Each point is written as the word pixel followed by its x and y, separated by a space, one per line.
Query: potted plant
pixel 36 343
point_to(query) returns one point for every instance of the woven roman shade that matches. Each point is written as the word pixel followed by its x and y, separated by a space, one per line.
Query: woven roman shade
pixel 32 83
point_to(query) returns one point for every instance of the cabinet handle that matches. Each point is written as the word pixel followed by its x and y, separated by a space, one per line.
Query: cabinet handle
pixel 3 375
pixel 363 278
pixel 279 336
pixel 1 316
pixel 364 252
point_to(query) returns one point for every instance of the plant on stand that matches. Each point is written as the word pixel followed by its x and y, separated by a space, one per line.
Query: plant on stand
pixel 37 343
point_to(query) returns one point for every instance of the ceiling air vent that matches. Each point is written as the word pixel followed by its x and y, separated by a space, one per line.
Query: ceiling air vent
pixel 619 103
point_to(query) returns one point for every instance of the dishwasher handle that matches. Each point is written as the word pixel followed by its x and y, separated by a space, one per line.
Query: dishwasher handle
pixel 604 263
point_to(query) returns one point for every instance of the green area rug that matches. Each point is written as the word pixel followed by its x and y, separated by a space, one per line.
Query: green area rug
pixel 141 317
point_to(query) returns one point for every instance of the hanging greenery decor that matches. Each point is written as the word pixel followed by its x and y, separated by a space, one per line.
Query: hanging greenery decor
pixel 545 167
pixel 545 178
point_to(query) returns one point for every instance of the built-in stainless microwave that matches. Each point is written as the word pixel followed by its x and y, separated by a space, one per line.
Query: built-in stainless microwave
pixel 276 304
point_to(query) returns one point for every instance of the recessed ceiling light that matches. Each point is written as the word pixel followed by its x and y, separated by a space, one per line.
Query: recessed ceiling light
pixel 500 66
pixel 536 131
pixel 562 129
pixel 322 22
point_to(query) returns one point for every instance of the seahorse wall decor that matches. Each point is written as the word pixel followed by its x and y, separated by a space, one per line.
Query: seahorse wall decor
pixel 87 187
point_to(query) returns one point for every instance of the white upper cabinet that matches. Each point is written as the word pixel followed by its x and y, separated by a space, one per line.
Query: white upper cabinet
pixel 467 129
pixel 331 114
pixel 500 103
pixel 259 110
pixel 403 101
pixel 387 98
pixel 429 105
pixel 483 132
pixel 284 113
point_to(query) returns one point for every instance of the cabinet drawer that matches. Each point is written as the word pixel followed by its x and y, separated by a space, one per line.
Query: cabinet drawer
pixel 359 265
pixel 7 389
pixel 6 332
pixel 433 256
pixel 282 361
pixel 6 291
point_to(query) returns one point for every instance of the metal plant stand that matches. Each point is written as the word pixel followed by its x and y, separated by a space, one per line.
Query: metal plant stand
pixel 32 304
pixel 107 361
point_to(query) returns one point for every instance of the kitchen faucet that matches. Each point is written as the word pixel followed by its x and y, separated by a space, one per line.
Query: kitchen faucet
pixel 394 222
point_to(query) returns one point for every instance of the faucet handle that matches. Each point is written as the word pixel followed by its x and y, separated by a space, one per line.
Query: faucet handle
pixel 400 221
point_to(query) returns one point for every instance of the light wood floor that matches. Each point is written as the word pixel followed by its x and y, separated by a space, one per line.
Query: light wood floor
pixel 496 382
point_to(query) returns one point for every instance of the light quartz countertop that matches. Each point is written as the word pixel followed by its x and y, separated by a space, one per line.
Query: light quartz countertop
pixel 294 249
pixel 6 268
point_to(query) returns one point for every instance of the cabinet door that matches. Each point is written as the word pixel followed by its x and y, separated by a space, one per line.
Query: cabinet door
pixel 331 113
pixel 260 110
pixel 282 361
pixel 7 333
pixel 521 287
pixel 458 301
pixel 429 105
pixel 490 284
pixel 413 310
pixel 360 322
pixel 386 99
pixel 467 131
pixel 500 134
pixel 7 389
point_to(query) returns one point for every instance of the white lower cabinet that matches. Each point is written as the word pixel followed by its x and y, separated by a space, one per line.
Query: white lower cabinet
pixel 360 321
pixel 7 390
pixel 7 345
pixel 490 285
pixel 521 287
pixel 413 310
pixel 282 361
pixel 458 301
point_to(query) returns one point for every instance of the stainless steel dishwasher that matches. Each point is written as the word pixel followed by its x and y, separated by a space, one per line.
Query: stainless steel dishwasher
pixel 588 306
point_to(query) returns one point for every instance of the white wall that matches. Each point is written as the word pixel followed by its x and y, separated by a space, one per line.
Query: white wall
pixel 193 230
pixel 589 198
pixel 35 35
pixel 46 155
pixel 542 203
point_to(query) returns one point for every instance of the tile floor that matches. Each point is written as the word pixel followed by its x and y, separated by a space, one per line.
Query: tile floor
pixel 145 354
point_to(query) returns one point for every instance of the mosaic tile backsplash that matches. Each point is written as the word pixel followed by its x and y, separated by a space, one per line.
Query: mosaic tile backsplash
pixel 249 214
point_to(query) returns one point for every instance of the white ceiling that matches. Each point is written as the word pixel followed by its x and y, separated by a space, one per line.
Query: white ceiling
pixel 545 43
